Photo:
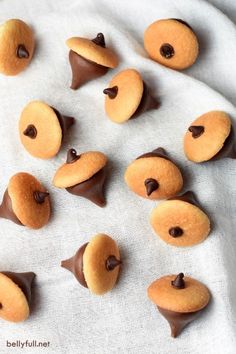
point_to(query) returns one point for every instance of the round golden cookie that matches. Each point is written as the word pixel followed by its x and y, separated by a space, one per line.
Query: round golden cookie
pixel 21 189
pixel 84 167
pixel 194 297
pixel 93 52
pixel 180 223
pixel 129 86
pixel 98 279
pixel 16 46
pixel 206 136
pixel 171 42
pixel 45 133
pixel 154 169
pixel 14 304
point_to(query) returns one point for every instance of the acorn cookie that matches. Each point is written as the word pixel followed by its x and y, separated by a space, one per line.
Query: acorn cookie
pixel 96 264
pixel 89 59
pixel 83 175
pixel 128 96
pixel 154 176
pixel 42 129
pixel 210 137
pixel 15 295
pixel 179 299
pixel 171 42
pixel 16 46
pixel 26 202
pixel 180 222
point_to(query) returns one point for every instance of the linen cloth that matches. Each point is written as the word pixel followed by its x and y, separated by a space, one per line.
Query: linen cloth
pixel 123 320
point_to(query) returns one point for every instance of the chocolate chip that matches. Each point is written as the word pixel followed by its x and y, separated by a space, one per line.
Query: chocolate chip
pixel 112 262
pixel 30 131
pixel 72 156
pixel 175 231
pixel 196 130
pixel 100 40
pixel 22 52
pixel 178 282
pixel 151 185
pixel 167 51
pixel 111 91
pixel 40 196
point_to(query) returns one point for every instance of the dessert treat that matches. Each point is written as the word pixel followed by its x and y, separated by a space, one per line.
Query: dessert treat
pixel 15 295
pixel 180 222
pixel 89 59
pixel 26 202
pixel 42 129
pixel 210 137
pixel 154 176
pixel 179 299
pixel 128 96
pixel 16 46
pixel 96 264
pixel 83 175
pixel 171 42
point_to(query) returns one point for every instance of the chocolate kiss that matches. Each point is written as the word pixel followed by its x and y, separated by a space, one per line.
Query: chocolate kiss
pixel 72 156
pixel 64 121
pixel 188 197
pixel 147 103
pixel 84 70
pixel 178 282
pixel 100 40
pixel 112 262
pixel 196 130
pixel 22 52
pixel 30 131
pixel 40 196
pixel 178 320
pixel 92 188
pixel 175 231
pixel 24 281
pixel 75 265
pixel 6 210
pixel 151 185
pixel 111 91
pixel 159 152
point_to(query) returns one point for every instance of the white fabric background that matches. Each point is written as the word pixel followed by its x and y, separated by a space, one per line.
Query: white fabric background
pixel 124 320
